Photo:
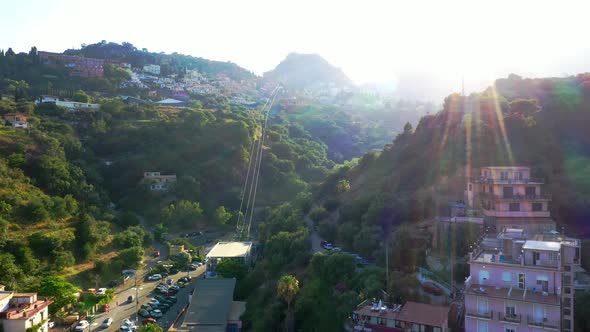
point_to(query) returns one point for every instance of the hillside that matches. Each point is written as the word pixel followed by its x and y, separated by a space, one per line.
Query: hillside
pixel 170 64
pixel 540 122
pixel 307 72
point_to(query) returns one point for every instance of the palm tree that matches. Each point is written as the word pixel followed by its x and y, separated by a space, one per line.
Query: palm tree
pixel 287 288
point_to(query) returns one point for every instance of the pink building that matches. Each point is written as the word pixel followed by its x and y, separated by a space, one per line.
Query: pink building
pixel 522 282
pixel 510 198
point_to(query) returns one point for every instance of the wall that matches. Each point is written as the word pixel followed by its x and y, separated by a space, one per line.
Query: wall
pixel 495 271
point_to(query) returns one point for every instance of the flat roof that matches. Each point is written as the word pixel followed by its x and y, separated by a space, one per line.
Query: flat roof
pixel 230 249
pixel 542 245
pixel 411 312
pixel 211 304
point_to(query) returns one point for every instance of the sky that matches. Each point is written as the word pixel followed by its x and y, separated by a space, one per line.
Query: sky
pixel 434 42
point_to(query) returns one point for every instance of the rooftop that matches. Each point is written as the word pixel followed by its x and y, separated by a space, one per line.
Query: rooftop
pixel 420 313
pixel 542 245
pixel 25 311
pixel 230 249
pixel 211 305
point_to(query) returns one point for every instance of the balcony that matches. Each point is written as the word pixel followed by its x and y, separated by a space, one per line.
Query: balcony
pixel 516 197
pixel 543 323
pixel 515 319
pixel 479 314
pixel 506 181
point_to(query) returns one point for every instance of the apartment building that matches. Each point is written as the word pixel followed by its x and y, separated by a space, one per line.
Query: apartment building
pixel 153 69
pixel 76 65
pixel 522 282
pixel 510 197
pixel 20 311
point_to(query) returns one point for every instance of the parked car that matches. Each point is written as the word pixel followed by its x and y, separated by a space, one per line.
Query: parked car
pixel 172 298
pixel 154 300
pixel 164 274
pixel 160 298
pixel 180 284
pixel 185 279
pixel 82 325
pixel 127 325
pixel 106 323
pixel 113 283
pixel 147 307
pixel 156 313
pixel 104 308
pixel 164 307
pixel 432 288
pixel 170 281
pixel 148 321
pixel 157 253
pixel 144 312
pixel 101 291
pixel 174 271
pixel 192 267
pixel 155 277
pixel 130 299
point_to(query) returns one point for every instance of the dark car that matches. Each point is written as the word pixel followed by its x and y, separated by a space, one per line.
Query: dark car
pixel 172 298
pixel 164 307
pixel 113 284
pixel 185 279
pixel 164 274
pixel 174 270
pixel 143 313
pixel 130 299
pixel 104 308
pixel 432 288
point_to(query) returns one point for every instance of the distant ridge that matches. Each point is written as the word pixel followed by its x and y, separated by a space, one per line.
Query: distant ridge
pixel 307 71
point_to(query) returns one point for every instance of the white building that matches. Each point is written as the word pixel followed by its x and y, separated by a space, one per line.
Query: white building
pixel 228 250
pixel 154 69
pixel 20 311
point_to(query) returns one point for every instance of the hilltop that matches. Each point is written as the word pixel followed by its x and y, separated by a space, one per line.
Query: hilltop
pixel 307 71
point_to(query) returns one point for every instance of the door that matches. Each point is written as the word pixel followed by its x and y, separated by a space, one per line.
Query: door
pixel 508 192
pixel 530 191
pixel 482 306
pixel 521 281
pixel 536 257
pixel 538 313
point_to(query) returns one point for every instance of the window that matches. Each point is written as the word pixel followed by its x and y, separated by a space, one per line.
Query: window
pixel 415 328
pixel 508 192
pixel 567 302
pixel 507 277
pixel 567 324
pixel 482 326
pixel 530 191
pixel 567 280
pixel 521 281
pixel 567 312
pixel 543 283
pixel 518 175
pixel 484 276
pixel 509 329
pixel 383 321
pixel 503 175
pixel 537 206
pixel 436 329
pixel 491 189
pixel 510 310
pixel 470 187
pixel 553 256
pixel 514 207
pixel 568 268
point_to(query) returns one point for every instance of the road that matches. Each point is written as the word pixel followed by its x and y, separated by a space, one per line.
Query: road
pixel 121 310
pixel 314 237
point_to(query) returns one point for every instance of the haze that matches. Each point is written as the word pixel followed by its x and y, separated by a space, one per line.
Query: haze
pixel 434 43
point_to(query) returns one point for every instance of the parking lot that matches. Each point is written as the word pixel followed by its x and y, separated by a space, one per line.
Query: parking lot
pixel 121 309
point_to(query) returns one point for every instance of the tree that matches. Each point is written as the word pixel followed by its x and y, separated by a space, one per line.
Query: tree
pixel 19 89
pixel 287 289
pixel 81 97
pixel 3 231
pixel 232 268
pixel 151 327
pixel 184 213
pixel 62 292
pixel 131 257
pixel 222 215
pixel 343 186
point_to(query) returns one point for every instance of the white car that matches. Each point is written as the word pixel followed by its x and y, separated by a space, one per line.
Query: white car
pixel 154 301
pixel 155 277
pixel 50 324
pixel 127 325
pixel 106 323
pixel 101 291
pixel 156 313
pixel 82 325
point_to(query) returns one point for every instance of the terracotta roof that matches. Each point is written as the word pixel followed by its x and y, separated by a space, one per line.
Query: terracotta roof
pixel 426 314
pixel 412 312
